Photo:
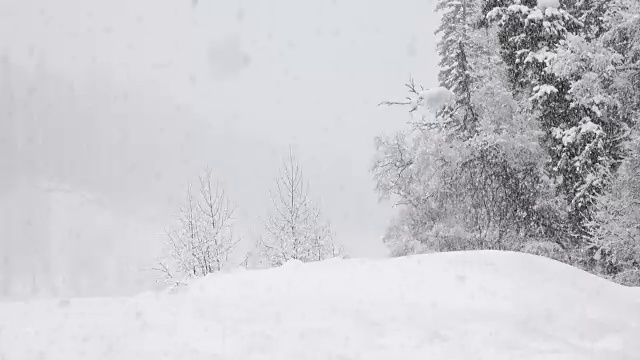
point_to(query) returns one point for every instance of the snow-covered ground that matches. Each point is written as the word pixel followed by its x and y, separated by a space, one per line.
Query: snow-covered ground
pixel 467 305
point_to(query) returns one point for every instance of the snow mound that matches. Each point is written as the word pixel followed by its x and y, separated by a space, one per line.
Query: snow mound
pixel 464 305
pixel 293 263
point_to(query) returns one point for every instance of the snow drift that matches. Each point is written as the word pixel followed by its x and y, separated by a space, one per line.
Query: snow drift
pixel 465 305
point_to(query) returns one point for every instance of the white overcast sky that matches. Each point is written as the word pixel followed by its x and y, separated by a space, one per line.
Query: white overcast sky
pixel 128 99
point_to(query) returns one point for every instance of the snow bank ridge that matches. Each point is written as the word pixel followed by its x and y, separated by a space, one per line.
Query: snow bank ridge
pixel 463 305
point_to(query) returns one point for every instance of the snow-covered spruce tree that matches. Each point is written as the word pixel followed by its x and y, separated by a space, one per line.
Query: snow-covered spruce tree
pixel 202 240
pixel 591 14
pixel 295 230
pixel 605 77
pixel 582 145
pixel 617 61
pixel 456 73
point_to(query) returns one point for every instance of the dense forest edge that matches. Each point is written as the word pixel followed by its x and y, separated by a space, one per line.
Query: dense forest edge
pixel 531 143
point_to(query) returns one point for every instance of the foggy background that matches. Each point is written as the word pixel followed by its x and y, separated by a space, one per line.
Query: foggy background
pixel 109 108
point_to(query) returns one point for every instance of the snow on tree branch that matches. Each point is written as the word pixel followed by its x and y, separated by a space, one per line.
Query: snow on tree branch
pixel 295 230
pixel 202 240
pixel 430 99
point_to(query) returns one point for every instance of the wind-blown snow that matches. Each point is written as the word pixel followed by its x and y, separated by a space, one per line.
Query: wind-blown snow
pixel 466 305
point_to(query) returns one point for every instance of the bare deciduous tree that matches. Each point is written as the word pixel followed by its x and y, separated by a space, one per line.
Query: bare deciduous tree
pixel 203 238
pixel 295 229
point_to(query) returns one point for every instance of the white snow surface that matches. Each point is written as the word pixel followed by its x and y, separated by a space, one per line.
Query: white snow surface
pixel 460 305
pixel 548 4
pixel 434 99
